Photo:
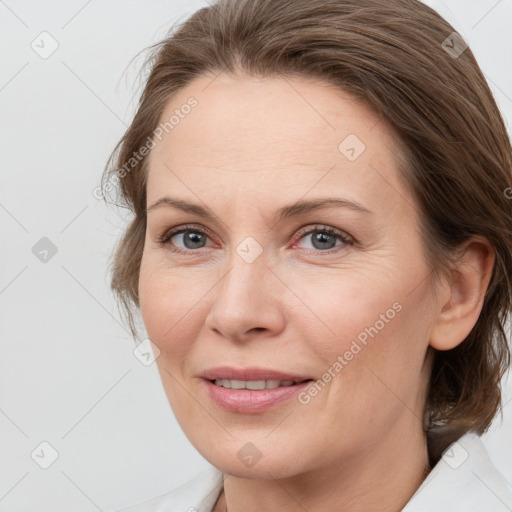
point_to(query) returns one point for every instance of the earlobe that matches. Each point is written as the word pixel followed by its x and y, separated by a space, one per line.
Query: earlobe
pixel 469 281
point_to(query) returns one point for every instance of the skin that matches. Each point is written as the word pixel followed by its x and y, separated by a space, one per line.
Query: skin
pixel 248 148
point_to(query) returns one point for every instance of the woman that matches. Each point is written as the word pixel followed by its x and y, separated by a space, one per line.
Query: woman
pixel 321 251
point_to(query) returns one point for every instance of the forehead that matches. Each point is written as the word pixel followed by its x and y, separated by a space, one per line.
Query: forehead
pixel 296 136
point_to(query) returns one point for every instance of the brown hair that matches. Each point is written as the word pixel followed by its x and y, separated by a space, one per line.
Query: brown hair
pixel 406 63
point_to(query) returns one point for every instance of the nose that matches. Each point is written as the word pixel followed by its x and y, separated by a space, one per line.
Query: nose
pixel 247 302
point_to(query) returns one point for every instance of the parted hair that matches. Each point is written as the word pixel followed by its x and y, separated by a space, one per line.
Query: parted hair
pixel 407 64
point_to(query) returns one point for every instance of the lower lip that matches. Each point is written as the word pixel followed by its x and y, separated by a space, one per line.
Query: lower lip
pixel 248 401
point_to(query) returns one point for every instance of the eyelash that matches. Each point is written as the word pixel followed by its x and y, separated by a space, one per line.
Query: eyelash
pixel 162 240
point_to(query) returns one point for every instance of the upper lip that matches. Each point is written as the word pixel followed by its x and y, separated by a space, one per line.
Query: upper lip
pixel 230 373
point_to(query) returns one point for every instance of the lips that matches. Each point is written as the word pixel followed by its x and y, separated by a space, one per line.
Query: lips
pixel 251 390
pixel 251 374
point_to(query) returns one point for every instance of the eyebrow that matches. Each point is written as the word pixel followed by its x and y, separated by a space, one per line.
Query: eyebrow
pixel 291 210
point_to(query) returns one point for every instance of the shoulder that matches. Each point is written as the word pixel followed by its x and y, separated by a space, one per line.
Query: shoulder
pixel 464 479
pixel 197 495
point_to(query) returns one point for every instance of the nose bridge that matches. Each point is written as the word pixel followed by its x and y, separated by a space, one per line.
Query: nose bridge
pixel 247 273
pixel 245 298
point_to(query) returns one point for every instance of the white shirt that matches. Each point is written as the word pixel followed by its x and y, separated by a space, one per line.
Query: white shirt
pixel 463 480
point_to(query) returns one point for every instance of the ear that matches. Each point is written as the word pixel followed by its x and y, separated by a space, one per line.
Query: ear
pixel 466 292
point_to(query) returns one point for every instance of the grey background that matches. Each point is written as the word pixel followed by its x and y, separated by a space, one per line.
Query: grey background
pixel 68 375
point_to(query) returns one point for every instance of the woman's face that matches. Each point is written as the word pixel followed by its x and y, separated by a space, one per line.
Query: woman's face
pixel 247 288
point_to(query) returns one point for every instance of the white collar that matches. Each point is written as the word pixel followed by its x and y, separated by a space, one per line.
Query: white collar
pixel 464 479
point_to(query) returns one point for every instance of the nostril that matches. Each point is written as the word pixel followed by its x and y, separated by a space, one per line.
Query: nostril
pixel 258 329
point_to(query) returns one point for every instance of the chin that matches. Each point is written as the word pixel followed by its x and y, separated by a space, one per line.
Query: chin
pixel 247 461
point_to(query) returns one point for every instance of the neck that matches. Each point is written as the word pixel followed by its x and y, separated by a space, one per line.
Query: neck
pixel 383 478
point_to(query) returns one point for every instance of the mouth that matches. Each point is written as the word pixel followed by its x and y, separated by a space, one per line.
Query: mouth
pixel 221 374
pixel 252 396
pixel 256 385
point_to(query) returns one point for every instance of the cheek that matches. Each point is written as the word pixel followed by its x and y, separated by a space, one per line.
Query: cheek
pixel 170 304
pixel 362 324
pixel 160 299
pixel 150 296
pixel 335 312
pixel 380 370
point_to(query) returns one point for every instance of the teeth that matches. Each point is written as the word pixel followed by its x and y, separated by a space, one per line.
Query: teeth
pixel 253 384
